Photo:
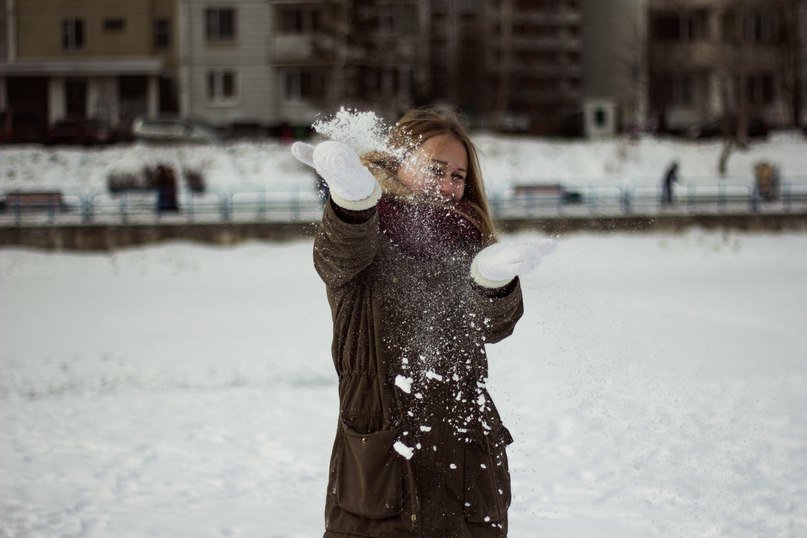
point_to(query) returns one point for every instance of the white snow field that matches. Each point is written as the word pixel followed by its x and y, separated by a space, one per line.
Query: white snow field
pixel 506 161
pixel 655 388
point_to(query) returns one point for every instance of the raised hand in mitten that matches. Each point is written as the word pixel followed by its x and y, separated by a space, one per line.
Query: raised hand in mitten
pixel 495 266
pixel 351 185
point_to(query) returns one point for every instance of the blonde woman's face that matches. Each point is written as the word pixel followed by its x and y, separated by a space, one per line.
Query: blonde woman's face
pixel 437 169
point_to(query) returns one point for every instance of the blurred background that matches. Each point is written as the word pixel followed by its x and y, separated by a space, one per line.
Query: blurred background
pixel 84 71
pixel 152 109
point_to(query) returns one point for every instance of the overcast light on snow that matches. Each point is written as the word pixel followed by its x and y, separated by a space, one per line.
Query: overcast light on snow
pixel 655 387
pixel 506 161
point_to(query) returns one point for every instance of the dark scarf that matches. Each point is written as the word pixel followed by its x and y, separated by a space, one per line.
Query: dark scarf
pixel 430 230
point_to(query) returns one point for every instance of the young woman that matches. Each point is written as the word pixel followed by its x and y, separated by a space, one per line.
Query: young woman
pixel 417 287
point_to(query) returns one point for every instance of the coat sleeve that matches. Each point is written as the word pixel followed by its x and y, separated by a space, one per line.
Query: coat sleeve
pixel 345 244
pixel 501 309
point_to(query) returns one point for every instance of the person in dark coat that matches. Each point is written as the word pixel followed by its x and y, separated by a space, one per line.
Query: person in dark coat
pixel 166 189
pixel 670 178
pixel 417 287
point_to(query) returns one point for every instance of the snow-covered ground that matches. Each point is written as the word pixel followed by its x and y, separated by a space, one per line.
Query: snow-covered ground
pixel 655 388
pixel 506 161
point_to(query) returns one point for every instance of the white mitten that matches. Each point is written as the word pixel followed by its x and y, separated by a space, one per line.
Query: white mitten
pixel 352 186
pixel 304 153
pixel 498 264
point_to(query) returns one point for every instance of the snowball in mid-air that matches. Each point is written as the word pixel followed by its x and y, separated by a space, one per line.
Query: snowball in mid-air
pixel 404 383
pixel 403 450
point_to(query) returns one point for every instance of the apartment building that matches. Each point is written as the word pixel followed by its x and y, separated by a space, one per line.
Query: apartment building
pixel 307 56
pixel 386 64
pixel 545 64
pixel 92 59
pixel 460 55
pixel 710 59
pixel 514 64
pixel 225 58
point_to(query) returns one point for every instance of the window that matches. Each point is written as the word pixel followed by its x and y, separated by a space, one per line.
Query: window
pixel 162 34
pixel 684 26
pixel 760 89
pixel 73 35
pixel 114 25
pixel 681 89
pixel 220 24
pixel 386 20
pixel 304 85
pixel 695 25
pixel 407 19
pixel 468 6
pixel 600 117
pixel 298 19
pixel 222 87
pixel 760 28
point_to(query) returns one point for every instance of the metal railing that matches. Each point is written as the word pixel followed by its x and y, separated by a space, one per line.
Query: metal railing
pixel 290 204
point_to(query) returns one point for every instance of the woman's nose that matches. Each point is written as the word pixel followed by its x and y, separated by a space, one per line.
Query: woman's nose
pixel 446 185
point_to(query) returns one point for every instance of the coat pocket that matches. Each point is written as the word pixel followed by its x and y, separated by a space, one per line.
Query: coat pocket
pixel 487 482
pixel 369 475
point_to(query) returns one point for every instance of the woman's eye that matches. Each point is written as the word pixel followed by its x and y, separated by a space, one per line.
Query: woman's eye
pixel 456 178
pixel 436 171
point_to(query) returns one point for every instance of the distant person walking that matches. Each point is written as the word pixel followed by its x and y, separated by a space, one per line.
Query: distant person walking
pixel 670 177
pixel 166 190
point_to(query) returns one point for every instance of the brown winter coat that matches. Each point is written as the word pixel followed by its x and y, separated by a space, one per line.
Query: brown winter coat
pixel 413 315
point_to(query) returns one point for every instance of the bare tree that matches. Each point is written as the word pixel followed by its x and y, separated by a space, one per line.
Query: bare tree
pixel 791 56
pixel 333 46
pixel 504 67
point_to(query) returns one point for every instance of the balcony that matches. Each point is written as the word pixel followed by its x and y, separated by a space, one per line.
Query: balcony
pixel 561 42
pixel 691 54
pixel 710 54
pixel 550 18
pixel 302 48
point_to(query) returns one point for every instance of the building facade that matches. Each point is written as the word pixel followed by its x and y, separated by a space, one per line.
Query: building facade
pixel 614 73
pixel 92 59
pixel 721 59
pixel 544 54
pixel 386 61
pixel 307 54
pixel 509 64
pixel 543 66
pixel 225 61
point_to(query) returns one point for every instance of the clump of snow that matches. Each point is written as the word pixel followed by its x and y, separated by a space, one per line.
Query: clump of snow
pixel 404 383
pixel 403 450
pixel 432 375
pixel 363 131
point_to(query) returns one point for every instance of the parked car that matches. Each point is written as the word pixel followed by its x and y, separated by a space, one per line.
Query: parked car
pixel 82 131
pixel 22 127
pixel 174 129
pixel 757 128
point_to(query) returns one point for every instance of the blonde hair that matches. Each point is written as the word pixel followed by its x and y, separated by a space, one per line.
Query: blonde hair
pixel 421 124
